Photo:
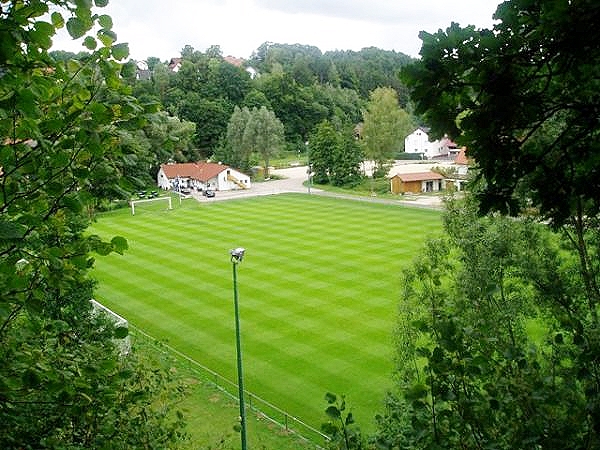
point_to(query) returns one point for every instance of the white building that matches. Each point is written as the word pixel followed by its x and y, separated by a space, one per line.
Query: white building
pixel 418 142
pixel 201 176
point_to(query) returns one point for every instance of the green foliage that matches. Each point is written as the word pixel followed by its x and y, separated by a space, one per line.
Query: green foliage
pixel 341 429
pixel 264 135
pixel 256 131
pixel 522 97
pixel 299 84
pixel 359 71
pixel 204 91
pixel 385 125
pixel 294 104
pixel 470 373
pixel 322 145
pixel 161 138
pixel 335 156
pixel 62 381
pixel 237 151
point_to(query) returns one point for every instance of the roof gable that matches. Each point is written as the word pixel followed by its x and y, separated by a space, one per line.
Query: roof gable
pixel 419 176
pixel 461 158
pixel 201 171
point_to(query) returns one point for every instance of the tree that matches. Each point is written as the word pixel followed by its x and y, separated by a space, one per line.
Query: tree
pixel 322 145
pixel 264 135
pixel 295 105
pixel 204 91
pixel 255 99
pixel 342 104
pixel 527 90
pixel 210 115
pixel 238 150
pixel 63 383
pixel 335 156
pixel 523 98
pixel 362 71
pixel 152 62
pixel 472 372
pixel 347 160
pixel 168 138
pixel 341 428
pixel 385 125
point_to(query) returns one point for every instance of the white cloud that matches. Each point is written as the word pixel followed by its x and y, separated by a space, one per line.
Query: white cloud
pixel 162 29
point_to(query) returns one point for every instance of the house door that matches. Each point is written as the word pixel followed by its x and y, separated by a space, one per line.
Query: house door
pixel 428 186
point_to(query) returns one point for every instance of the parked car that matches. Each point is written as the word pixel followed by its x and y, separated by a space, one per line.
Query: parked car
pixel 208 193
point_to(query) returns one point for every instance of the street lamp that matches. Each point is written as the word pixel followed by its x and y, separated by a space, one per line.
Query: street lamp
pixel 309 169
pixel 237 254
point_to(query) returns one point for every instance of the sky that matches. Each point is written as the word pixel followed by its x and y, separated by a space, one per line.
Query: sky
pixel 161 28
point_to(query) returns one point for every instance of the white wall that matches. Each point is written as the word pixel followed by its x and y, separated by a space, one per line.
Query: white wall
pixel 219 183
pixel 417 142
pixel 162 180
pixel 227 185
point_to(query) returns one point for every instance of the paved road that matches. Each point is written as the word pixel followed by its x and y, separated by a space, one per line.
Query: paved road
pixel 292 180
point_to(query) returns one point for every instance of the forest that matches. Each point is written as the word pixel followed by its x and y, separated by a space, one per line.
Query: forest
pixel 201 98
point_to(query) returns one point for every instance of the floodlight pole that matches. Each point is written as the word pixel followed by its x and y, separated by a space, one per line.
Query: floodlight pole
pixel 236 258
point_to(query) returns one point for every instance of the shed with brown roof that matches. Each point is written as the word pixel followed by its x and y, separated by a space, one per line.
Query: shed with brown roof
pixel 402 183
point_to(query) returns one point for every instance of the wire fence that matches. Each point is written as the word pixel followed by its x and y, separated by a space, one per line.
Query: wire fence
pixel 265 409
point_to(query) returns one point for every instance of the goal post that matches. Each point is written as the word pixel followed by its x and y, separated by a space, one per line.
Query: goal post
pixel 147 200
pixel 124 345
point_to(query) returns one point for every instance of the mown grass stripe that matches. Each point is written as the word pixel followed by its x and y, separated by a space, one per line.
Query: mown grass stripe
pixel 318 290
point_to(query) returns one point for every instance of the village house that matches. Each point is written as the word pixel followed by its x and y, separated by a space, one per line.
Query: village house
pixel 461 166
pixel 201 176
pixel 418 142
pixel 404 183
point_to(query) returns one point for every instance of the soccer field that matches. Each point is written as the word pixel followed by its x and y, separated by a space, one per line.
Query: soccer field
pixel 318 291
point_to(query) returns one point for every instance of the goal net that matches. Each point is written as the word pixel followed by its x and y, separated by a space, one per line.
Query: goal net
pixel 148 200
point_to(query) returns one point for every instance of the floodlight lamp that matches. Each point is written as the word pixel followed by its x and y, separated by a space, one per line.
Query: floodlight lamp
pixel 237 254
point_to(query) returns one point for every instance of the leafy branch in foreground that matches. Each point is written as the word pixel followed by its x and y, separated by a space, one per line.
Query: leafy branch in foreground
pixel 63 382
pixel 494 342
pixel 339 427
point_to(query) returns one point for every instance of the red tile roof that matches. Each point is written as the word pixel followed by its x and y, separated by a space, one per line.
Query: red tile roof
pixel 420 176
pixel 461 158
pixel 238 62
pixel 201 171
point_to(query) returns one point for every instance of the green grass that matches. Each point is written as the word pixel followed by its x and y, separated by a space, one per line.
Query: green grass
pixel 318 291
pixel 210 413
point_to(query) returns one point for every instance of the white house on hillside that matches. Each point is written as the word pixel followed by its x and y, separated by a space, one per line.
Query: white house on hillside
pixel 201 176
pixel 418 142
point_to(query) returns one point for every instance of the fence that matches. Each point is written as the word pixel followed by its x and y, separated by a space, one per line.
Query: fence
pixel 255 403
